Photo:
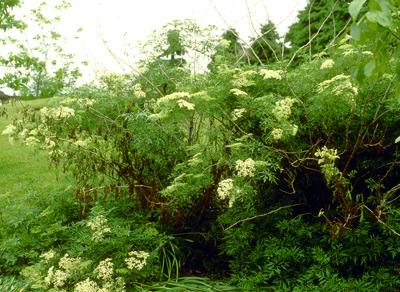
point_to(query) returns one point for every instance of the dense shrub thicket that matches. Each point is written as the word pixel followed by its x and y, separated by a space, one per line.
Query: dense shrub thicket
pixel 282 178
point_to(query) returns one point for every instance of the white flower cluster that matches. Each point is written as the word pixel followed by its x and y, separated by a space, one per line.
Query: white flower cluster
pixel 245 168
pixel 326 155
pixel 105 269
pixel 224 43
pixel 10 129
pixel 48 255
pixel 60 112
pixel 237 114
pixel 87 286
pixel 67 267
pixel 99 225
pixel 173 96
pixel 69 263
pixel 138 92
pixel 80 143
pixel 84 102
pixel 137 260
pixel 240 79
pixel 183 103
pixel 295 129
pixel 327 64
pixel 226 190
pixel 283 108
pixel 341 86
pixel 23 134
pixel 277 134
pixel 58 277
pixel 267 74
pixel 48 143
pixel 238 92
pixel 31 141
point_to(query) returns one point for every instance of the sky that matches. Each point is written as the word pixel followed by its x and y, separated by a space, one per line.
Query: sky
pixel 122 23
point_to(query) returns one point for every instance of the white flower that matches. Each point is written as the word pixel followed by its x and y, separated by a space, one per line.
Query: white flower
pixel 104 270
pixel 83 102
pixel 173 96
pixel 224 43
pixel 99 226
pixel 277 134
pixel 327 155
pixel 34 132
pixel 69 263
pixel 59 278
pixel 245 168
pixel 48 143
pixel 283 109
pixel 80 143
pixel 295 128
pixel 31 141
pixel 271 74
pixel 64 112
pixel 137 260
pixel 368 53
pixel 237 114
pixel 48 255
pixel 138 92
pixel 23 134
pixel 10 129
pixel 50 273
pixel 238 92
pixel 224 188
pixel 327 64
pixel 348 52
pixel 86 286
pixel 184 103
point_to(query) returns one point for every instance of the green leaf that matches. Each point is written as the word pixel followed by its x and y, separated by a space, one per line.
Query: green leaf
pixel 369 68
pixel 355 32
pixel 380 17
pixel 355 7
pixel 397 140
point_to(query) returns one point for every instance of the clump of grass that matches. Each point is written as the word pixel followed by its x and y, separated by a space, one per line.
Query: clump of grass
pixel 13 284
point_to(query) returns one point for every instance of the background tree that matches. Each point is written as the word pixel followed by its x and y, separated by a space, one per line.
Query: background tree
pixel 38 66
pixel 228 46
pixel 267 47
pixel 7 19
pixel 327 18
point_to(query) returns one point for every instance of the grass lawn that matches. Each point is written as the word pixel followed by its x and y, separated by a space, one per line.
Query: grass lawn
pixel 22 168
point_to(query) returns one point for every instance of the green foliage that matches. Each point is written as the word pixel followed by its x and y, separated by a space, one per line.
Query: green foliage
pixel 12 284
pixel 7 19
pixel 287 179
pixel 267 48
pixel 318 25
pixel 192 284
pixel 377 29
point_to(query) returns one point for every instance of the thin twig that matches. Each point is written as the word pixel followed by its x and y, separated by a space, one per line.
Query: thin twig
pixel 262 215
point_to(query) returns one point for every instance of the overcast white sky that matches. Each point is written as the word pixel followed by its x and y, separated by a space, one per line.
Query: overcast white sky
pixel 124 22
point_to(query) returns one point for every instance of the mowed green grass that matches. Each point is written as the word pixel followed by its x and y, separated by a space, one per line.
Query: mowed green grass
pixel 22 168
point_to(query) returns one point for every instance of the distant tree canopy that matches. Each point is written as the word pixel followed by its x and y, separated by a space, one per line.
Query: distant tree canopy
pixel 231 47
pixel 175 47
pixel 7 19
pixel 266 46
pixel 310 20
